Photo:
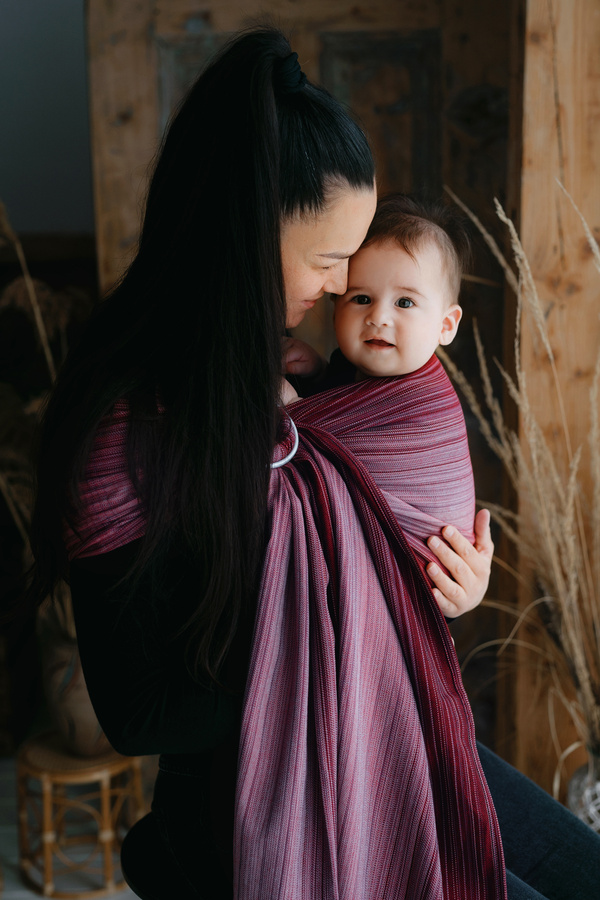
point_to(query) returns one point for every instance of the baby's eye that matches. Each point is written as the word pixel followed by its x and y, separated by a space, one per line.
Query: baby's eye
pixel 404 302
pixel 361 299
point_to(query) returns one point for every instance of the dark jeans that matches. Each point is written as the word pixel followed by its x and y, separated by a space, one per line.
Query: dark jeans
pixel 193 810
pixel 550 854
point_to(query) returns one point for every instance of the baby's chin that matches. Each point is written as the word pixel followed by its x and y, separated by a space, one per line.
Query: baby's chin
pixel 363 374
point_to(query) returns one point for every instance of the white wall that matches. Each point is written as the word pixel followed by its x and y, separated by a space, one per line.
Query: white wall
pixel 45 171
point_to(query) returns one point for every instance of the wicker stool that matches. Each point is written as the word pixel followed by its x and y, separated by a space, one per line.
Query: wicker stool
pixel 73 814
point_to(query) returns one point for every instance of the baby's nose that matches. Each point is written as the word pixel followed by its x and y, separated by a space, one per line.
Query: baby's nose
pixel 379 314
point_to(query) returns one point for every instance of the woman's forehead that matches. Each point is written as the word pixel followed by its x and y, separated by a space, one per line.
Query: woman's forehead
pixel 338 230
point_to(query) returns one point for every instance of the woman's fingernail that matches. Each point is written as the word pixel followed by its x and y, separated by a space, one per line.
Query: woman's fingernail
pixel 432 569
pixel 433 542
pixel 448 531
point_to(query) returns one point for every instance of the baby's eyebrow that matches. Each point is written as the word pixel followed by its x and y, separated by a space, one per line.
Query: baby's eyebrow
pixel 410 290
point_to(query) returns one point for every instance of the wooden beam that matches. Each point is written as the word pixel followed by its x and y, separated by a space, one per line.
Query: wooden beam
pixel 561 140
pixel 124 117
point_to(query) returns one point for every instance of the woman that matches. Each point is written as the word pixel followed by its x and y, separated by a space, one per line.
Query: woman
pixel 158 439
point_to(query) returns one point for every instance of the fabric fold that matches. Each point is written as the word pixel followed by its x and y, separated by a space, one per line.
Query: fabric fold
pixel 358 773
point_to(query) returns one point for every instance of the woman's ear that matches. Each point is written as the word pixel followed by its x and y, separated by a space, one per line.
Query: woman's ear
pixel 452 317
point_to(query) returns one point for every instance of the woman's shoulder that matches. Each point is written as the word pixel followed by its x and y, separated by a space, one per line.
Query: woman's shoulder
pixel 108 511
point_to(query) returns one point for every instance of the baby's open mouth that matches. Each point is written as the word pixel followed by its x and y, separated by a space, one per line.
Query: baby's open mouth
pixel 378 342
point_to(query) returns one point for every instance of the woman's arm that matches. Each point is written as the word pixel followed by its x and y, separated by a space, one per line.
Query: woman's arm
pixel 469 565
pixel 145 699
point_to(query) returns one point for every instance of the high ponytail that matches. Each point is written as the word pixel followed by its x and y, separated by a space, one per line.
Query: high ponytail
pixel 191 336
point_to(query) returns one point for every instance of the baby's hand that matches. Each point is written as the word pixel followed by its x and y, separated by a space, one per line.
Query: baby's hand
pixel 469 567
pixel 300 358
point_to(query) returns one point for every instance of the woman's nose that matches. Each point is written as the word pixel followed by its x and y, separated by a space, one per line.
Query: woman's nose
pixel 337 278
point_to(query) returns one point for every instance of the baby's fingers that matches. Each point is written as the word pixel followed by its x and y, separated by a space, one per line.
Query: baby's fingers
pixel 458 556
pixel 449 596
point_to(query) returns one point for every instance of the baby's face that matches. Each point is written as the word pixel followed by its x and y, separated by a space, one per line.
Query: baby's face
pixel 396 310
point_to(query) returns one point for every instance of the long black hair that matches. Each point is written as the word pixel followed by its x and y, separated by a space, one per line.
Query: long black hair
pixel 191 335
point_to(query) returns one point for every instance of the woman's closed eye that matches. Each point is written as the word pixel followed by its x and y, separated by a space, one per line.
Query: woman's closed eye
pixel 404 302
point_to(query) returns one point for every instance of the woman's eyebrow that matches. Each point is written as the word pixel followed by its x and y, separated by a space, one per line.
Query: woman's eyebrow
pixel 338 254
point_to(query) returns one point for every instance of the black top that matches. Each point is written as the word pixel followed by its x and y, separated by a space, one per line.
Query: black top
pixel 148 703
pixel 146 700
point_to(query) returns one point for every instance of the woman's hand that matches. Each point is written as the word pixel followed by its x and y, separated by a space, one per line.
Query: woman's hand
pixel 469 566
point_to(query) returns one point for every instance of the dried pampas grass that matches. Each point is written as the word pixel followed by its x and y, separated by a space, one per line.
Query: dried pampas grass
pixel 8 236
pixel 561 543
pixel 58 309
pixel 51 312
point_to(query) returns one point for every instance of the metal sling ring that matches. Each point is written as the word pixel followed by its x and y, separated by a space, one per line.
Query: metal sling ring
pixel 292 453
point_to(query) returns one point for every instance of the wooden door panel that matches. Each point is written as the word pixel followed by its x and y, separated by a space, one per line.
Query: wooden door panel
pixel 179 61
pixel 391 82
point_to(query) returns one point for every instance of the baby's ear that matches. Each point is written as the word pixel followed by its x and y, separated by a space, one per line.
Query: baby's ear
pixel 452 317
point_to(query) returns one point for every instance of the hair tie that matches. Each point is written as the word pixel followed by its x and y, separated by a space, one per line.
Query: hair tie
pixel 290 77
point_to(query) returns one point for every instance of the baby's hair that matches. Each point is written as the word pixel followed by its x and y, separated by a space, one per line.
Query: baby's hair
pixel 412 223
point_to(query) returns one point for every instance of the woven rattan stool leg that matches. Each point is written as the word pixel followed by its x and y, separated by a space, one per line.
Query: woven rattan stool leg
pixel 24 844
pixel 48 837
pixel 107 834
pixel 60 803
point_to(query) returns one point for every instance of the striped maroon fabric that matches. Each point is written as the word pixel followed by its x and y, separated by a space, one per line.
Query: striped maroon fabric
pixel 109 514
pixel 422 466
pixel 358 774
pixel 410 434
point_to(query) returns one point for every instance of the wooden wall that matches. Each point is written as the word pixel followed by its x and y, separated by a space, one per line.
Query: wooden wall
pixel 560 140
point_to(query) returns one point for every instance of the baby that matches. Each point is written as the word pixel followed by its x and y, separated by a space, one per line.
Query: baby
pixel 400 305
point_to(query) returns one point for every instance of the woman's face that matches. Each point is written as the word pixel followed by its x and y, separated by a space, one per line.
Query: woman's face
pixel 315 249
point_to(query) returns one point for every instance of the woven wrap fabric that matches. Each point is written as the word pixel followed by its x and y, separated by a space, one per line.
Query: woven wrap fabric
pixel 109 513
pixel 358 774
pixel 410 434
